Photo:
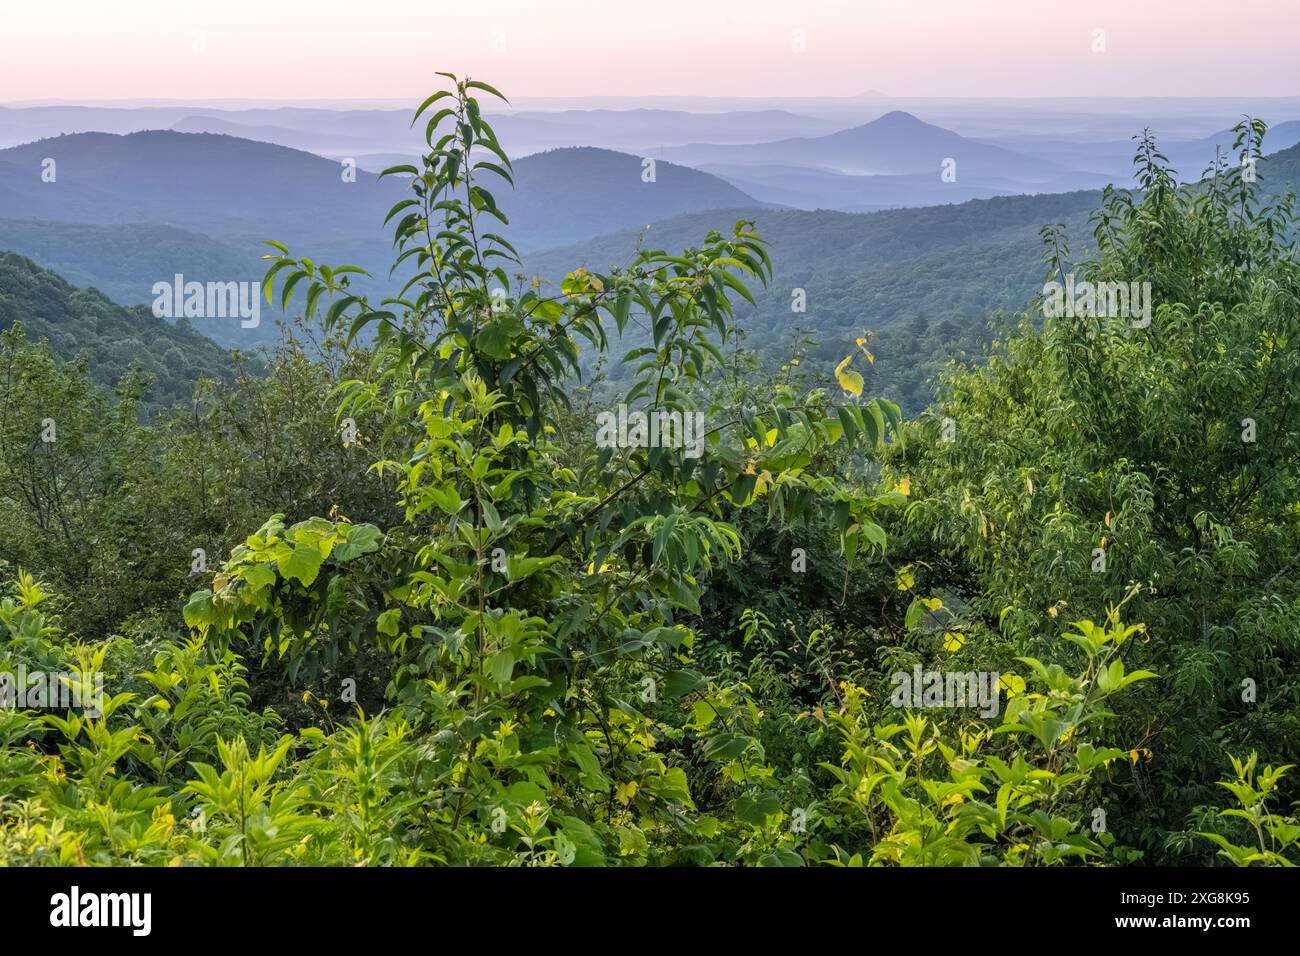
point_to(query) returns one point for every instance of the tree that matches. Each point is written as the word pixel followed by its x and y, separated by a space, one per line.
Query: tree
pixel 1101 457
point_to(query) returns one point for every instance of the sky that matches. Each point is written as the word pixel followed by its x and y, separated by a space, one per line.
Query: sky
pixel 93 50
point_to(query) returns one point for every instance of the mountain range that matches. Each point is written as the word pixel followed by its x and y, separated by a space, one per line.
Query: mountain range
pixel 229 187
pixel 125 211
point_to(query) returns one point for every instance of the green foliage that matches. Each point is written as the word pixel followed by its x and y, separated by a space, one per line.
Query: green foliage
pixel 1277 837
pixel 111 510
pixel 480 628
pixel 1096 460
pixel 109 341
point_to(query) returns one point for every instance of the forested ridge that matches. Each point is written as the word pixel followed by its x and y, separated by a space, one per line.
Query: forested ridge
pixel 413 592
pixel 111 340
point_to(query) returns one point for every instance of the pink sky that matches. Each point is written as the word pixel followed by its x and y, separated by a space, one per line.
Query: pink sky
pixel 84 50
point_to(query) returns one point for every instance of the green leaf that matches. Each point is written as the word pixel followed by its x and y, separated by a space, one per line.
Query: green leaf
pixel 500 666
pixel 303 564
pixel 257 576
pixel 198 610
pixel 479 85
pixel 358 539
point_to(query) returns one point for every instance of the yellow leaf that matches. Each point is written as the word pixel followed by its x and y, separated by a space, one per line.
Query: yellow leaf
pixel 953 641
pixel 904 486
pixel 849 380
pixel 1012 684
pixel 624 792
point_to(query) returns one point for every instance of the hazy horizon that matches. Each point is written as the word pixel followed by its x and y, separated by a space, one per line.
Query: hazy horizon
pixel 389 50
pixel 627 101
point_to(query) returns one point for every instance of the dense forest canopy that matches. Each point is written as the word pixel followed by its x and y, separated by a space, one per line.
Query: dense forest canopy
pixel 111 340
pixel 404 596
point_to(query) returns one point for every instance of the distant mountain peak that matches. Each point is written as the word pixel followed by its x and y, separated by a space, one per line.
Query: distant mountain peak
pixel 898 119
